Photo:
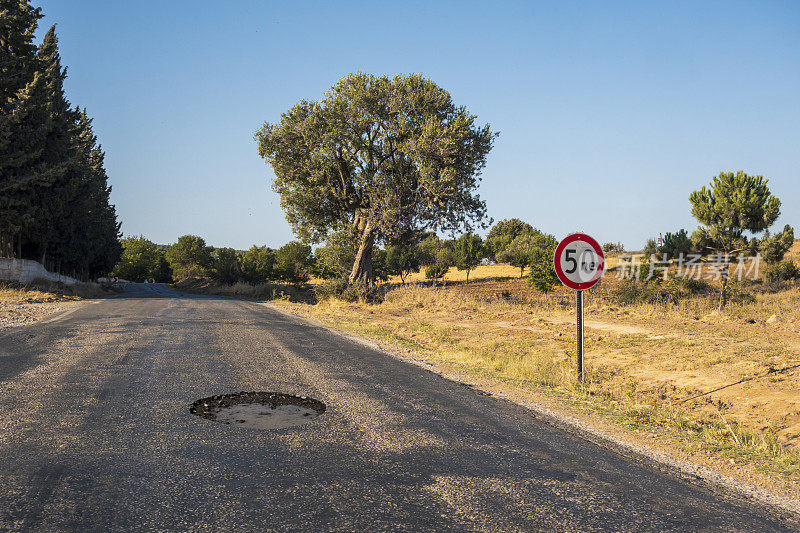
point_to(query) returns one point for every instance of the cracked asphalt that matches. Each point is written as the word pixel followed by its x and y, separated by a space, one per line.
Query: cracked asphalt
pixel 96 435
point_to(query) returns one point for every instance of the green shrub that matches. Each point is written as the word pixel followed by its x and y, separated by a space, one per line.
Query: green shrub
pixel 673 289
pixel 258 264
pixel 293 262
pixel 436 271
pixel 332 288
pixel 335 259
pixel 782 271
pixel 189 257
pixel 738 293
pixel 542 276
pixel 225 266
pixel 141 260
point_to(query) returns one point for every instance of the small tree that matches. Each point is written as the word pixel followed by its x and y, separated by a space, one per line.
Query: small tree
pixel 335 259
pixel 226 266
pixel 542 276
pixel 142 260
pixel 650 249
pixel 773 247
pixel 732 205
pixel 502 233
pixel 189 257
pixel 613 247
pixel 402 259
pixel 518 252
pixel 676 244
pixel 293 262
pixel 441 264
pixel 427 248
pixel 467 252
pixel 258 263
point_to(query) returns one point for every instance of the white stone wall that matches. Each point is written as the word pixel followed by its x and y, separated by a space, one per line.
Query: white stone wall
pixel 24 271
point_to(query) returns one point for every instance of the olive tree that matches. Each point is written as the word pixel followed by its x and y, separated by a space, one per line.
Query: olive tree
pixel 732 205
pixel 519 252
pixel 141 260
pixel 467 252
pixel 378 156
pixel 258 264
pixel 502 233
pixel 402 259
pixel 189 257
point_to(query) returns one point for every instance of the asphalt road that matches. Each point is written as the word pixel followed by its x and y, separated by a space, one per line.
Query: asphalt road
pixel 95 434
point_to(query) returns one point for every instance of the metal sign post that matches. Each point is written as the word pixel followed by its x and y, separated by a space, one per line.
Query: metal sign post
pixel 579 263
pixel 579 301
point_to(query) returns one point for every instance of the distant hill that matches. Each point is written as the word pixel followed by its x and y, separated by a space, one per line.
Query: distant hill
pixel 794 252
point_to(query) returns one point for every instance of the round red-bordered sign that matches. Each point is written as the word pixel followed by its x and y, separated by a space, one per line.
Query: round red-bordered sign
pixel 585 261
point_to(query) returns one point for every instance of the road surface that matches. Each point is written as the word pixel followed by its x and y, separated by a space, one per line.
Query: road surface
pixel 95 434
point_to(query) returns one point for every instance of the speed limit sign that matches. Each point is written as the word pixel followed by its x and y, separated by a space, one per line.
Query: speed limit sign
pixel 579 261
pixel 579 264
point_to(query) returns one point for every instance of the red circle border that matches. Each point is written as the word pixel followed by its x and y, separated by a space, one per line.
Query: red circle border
pixel 557 264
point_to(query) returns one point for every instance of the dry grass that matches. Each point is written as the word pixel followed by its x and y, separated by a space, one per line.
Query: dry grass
pixel 454 275
pixel 41 291
pixel 643 360
pixel 247 291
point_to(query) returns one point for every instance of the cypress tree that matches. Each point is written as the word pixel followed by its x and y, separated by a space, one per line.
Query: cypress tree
pixel 54 193
pixel 54 171
pixel 20 133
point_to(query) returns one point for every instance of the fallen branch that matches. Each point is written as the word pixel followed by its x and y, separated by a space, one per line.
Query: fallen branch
pixel 771 371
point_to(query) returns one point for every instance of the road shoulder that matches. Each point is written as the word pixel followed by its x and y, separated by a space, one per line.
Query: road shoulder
pixel 694 464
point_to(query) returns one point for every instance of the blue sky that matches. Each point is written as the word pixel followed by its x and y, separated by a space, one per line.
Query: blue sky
pixel 610 113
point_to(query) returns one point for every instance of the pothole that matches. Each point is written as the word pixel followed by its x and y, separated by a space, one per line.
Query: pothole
pixel 261 410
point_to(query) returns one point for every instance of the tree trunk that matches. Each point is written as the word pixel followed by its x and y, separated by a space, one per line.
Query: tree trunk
pixel 467 275
pixel 362 267
pixel 723 294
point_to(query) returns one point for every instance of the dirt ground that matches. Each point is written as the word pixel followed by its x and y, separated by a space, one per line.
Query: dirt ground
pixel 21 314
pixel 23 305
pixel 667 355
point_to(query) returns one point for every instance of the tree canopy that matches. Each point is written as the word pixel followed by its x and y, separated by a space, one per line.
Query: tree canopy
pixel 503 232
pixel 380 157
pixel 732 205
pixel 519 252
pixel 142 260
pixel 258 264
pixel 189 257
pixel 293 262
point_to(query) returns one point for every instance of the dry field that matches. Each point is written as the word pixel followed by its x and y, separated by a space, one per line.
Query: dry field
pixel 644 361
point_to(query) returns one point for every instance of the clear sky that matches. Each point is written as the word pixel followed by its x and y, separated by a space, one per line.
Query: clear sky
pixel 610 113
